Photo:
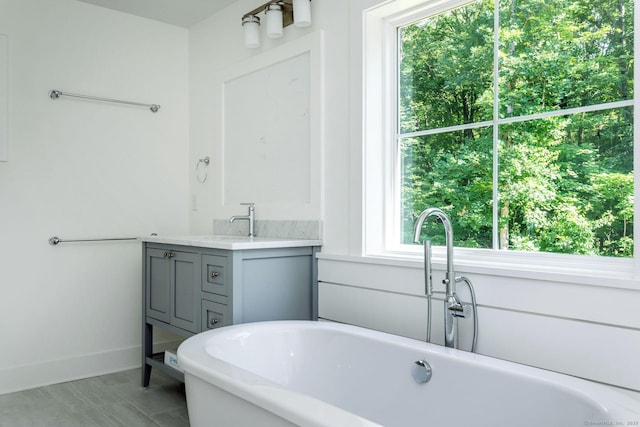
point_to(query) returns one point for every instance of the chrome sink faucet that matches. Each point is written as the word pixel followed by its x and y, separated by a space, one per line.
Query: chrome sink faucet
pixel 251 216
pixel 453 308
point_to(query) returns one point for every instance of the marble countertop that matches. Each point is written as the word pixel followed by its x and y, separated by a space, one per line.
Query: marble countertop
pixel 231 242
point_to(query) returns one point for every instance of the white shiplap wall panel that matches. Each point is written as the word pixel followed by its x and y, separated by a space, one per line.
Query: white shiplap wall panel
pixel 372 275
pixel 598 304
pixel 383 311
pixel 598 352
pixel 582 330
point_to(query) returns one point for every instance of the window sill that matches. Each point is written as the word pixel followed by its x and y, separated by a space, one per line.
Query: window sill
pixel 609 273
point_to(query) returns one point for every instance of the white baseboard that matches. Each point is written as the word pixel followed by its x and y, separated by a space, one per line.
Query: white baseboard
pixel 47 372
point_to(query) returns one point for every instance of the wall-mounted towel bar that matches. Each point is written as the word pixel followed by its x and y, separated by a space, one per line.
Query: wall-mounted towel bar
pixel 55 94
pixel 56 240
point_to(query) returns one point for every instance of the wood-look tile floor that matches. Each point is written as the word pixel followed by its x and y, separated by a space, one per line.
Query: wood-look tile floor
pixel 115 400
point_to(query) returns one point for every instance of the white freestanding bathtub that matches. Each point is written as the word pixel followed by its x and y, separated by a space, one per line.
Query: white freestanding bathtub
pixel 325 374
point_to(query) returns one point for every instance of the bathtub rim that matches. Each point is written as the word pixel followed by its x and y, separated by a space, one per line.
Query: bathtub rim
pixel 286 403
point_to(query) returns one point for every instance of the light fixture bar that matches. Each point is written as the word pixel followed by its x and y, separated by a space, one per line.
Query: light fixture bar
pixel 287 11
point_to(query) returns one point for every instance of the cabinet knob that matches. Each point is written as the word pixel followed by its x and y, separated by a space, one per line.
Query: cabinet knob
pixel 213 322
pixel 214 274
pixel 168 254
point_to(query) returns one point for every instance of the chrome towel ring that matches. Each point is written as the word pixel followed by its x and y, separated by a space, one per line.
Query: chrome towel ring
pixel 205 161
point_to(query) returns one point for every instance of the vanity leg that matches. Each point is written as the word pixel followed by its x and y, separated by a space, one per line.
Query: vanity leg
pixel 147 351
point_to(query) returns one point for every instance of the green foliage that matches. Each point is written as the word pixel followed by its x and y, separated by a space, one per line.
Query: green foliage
pixel 565 183
pixel 571 232
pixel 438 89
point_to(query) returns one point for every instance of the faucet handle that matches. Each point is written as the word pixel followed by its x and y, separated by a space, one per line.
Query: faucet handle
pixel 247 204
pixel 459 309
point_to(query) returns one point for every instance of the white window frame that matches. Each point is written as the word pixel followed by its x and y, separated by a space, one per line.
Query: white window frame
pixel 375 30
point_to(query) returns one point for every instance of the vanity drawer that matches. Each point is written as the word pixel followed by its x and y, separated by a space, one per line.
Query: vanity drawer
pixel 214 315
pixel 214 274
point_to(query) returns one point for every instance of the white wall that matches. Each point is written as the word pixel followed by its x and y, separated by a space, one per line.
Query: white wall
pixel 568 323
pixel 82 169
pixel 217 54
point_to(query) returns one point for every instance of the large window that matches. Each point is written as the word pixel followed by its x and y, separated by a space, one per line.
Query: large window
pixel 516 119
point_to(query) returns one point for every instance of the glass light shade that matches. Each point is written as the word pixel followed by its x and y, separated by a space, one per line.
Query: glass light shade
pixel 301 13
pixel 274 21
pixel 251 26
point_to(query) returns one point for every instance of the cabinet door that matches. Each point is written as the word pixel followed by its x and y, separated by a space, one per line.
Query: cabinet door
pixel 185 286
pixel 158 284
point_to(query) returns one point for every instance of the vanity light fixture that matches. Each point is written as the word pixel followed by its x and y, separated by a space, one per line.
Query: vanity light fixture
pixel 279 14
pixel 301 13
pixel 251 25
pixel 274 14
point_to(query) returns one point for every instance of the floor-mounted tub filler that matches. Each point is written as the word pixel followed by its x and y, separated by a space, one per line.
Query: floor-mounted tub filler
pixel 326 374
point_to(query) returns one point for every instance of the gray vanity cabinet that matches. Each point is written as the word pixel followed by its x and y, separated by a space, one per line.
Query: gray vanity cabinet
pixel 190 289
